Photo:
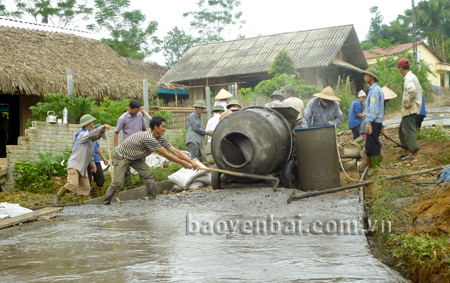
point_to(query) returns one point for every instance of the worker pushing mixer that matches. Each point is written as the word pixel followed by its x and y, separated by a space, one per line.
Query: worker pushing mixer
pixel 323 110
pixel 133 151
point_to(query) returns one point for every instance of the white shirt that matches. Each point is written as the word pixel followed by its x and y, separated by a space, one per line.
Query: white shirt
pixel 212 124
pixel 221 102
pixel 295 103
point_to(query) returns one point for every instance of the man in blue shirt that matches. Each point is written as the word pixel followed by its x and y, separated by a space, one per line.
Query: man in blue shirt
pixel 356 115
pixel 374 117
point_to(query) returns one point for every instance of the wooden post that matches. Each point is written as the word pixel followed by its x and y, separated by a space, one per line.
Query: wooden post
pixel 145 82
pixel 176 98
pixel 208 101
pixel 69 82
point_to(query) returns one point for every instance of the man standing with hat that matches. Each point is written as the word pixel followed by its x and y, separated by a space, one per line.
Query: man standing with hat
pixel 82 155
pixel 374 117
pixel 277 99
pixel 412 104
pixel 212 123
pixel 222 98
pixel 99 177
pixel 323 110
pixel 293 102
pixel 356 115
pixel 231 107
pixel 195 136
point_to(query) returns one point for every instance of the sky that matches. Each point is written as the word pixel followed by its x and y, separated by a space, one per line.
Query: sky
pixel 271 17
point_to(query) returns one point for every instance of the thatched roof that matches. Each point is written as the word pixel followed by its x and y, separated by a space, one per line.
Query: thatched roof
pixel 308 49
pixel 145 70
pixel 151 71
pixel 34 62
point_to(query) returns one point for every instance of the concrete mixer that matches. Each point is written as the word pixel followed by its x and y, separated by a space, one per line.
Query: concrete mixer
pixel 256 140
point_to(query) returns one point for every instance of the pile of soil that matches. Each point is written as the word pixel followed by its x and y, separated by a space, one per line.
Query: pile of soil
pixel 432 215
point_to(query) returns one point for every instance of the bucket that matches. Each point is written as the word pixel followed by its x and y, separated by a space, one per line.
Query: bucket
pixel 317 158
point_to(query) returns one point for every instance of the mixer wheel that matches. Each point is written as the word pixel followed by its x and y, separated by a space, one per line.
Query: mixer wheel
pixel 289 175
pixel 215 179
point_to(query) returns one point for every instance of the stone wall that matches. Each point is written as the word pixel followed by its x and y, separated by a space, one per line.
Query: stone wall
pixel 53 138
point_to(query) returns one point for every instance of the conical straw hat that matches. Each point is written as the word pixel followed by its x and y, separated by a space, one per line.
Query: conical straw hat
pixel 328 93
pixel 223 94
pixel 388 93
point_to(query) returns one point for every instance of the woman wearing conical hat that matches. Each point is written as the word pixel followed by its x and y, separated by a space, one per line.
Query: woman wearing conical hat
pixel 222 98
pixel 323 110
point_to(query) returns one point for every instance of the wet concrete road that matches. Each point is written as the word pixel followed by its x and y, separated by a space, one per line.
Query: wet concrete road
pixel 143 241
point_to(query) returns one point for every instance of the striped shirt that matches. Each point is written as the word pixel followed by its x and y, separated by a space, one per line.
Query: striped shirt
pixel 140 145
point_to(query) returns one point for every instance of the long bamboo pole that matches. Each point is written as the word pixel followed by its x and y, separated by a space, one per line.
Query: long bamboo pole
pixel 116 197
pixel 338 189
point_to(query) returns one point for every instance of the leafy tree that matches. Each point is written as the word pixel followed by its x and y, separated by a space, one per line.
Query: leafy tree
pixel 433 21
pixel 398 30
pixel 283 64
pixel 176 43
pixel 70 9
pixel 59 12
pixel 128 30
pixel 214 16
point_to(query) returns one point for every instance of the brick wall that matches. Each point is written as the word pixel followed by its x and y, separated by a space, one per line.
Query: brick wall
pixel 54 138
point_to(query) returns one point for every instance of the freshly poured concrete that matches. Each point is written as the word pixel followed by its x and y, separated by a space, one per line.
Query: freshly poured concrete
pixel 148 241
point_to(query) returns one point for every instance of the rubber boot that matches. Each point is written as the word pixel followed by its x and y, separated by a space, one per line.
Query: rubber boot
pixel 151 190
pixel 358 140
pixel 100 192
pixel 127 183
pixel 108 197
pixel 375 161
pixel 59 195
pixel 84 198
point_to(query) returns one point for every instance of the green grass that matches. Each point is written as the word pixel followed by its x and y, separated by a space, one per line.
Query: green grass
pixel 433 133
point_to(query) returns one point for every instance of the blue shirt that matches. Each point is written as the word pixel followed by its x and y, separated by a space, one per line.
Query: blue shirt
pixel 423 112
pixel 375 105
pixel 355 109
pixel 96 156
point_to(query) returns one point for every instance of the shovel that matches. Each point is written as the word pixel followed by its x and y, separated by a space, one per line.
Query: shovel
pixel 116 197
pixel 275 180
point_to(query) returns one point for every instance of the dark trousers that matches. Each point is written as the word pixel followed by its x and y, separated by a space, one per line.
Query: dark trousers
pixel 407 133
pixel 99 177
pixel 373 140
pixel 195 152
pixel 419 120
pixel 355 132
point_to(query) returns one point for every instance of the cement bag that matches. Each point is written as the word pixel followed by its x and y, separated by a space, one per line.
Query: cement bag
pixel 8 210
pixel 184 177
pixel 206 179
pixel 195 186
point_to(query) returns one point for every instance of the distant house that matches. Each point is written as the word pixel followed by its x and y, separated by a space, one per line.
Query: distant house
pixel 426 53
pixel 35 62
pixel 320 55
pixel 154 73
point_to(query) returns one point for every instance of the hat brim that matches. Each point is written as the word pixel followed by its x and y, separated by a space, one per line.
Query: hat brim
pixel 327 97
pixel 371 75
pixel 103 135
pixel 88 121
pixel 223 96
pixel 388 93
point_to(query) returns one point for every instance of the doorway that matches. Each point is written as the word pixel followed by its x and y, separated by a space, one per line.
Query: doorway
pixel 9 122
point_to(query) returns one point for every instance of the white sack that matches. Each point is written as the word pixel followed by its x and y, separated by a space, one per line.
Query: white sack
pixel 8 210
